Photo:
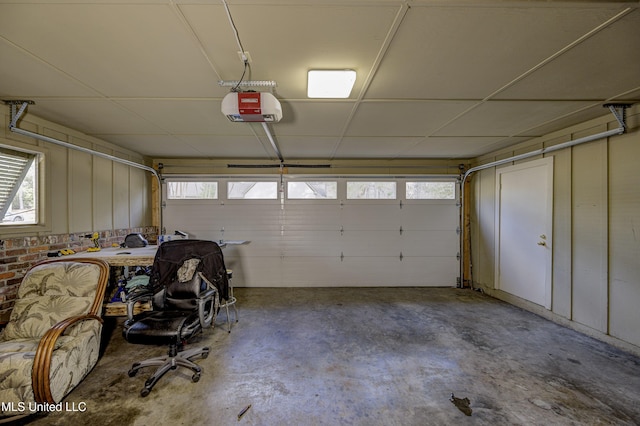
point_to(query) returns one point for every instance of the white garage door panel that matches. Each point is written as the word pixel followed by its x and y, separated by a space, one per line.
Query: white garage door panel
pixel 311 243
pixel 248 216
pixel 251 271
pixel 367 243
pixel 429 243
pixel 191 218
pixel 369 216
pixel 312 271
pixel 429 217
pixel 335 242
pixel 428 271
pixel 325 217
pixel 263 243
pixel 369 271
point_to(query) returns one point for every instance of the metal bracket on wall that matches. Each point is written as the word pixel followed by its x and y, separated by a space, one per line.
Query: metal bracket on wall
pixel 14 113
pixel 619 111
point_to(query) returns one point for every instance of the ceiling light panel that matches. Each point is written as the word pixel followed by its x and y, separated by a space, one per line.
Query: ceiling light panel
pixel 330 83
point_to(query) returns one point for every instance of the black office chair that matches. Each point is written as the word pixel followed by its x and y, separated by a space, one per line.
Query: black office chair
pixel 187 280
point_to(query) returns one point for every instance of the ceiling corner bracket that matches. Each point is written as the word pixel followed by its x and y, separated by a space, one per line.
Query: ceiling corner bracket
pixel 619 111
pixel 14 112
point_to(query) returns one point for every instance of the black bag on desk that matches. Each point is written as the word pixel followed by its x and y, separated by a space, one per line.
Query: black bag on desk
pixel 135 241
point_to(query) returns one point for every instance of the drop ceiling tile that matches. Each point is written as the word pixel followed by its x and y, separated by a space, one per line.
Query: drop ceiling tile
pixel 25 76
pixel 228 146
pixel 185 116
pixel 153 145
pixel 508 118
pixel 374 147
pixel 403 118
pixel 132 50
pixel 92 116
pixel 469 52
pixel 293 147
pixel 604 65
pixel 313 118
pixel 456 147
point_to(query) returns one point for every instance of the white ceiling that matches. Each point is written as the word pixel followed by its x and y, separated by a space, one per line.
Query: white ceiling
pixel 436 79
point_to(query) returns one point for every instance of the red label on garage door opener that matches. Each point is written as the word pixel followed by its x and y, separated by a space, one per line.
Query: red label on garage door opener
pixel 249 103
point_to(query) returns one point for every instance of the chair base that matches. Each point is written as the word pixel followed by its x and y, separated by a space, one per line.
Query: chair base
pixel 231 301
pixel 171 361
pixel 225 305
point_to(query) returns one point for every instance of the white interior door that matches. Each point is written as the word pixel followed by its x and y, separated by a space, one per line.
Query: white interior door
pixel 524 230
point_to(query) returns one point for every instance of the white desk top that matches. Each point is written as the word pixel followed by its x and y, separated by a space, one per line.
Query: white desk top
pixel 117 256
pixel 142 256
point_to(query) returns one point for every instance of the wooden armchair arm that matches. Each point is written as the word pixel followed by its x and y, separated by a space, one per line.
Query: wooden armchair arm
pixel 42 361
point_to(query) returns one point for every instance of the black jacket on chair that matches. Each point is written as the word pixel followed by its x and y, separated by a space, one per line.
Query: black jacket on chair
pixel 172 254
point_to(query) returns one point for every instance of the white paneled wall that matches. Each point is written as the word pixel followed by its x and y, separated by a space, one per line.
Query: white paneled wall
pixel 596 253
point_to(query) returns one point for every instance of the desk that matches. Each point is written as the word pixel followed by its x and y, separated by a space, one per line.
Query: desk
pixel 117 256
pixel 141 256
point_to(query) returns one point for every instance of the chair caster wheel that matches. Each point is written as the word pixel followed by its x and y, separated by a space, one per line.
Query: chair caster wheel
pixel 132 372
pixel 144 392
pixel 195 378
pixel 204 355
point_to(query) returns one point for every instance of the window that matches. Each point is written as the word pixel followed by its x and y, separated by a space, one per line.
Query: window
pixel 252 190
pixel 371 190
pixel 431 190
pixel 312 190
pixel 18 187
pixel 192 190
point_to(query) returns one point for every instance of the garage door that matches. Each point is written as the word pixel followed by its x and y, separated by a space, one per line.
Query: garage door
pixel 322 231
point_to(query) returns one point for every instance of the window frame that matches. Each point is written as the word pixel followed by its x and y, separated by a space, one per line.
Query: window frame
pixel 43 200
pixel 312 180
pixel 356 179
pixel 192 180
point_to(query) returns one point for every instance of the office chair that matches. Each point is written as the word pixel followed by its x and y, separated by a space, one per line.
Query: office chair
pixel 187 279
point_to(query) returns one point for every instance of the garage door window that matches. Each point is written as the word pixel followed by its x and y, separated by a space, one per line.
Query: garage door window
pixel 192 190
pixel 377 190
pixel 252 190
pixel 312 190
pixel 431 190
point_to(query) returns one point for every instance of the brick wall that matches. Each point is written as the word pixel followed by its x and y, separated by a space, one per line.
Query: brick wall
pixel 18 254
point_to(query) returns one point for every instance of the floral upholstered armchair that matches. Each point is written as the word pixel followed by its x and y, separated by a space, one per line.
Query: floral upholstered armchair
pixel 52 339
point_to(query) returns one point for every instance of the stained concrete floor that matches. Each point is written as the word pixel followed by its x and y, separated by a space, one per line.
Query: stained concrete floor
pixel 363 356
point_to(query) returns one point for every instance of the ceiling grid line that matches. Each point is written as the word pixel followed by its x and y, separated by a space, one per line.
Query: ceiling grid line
pixel 185 23
pixel 393 30
pixel 541 64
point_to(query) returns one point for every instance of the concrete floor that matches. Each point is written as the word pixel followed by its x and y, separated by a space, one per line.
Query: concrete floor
pixel 363 356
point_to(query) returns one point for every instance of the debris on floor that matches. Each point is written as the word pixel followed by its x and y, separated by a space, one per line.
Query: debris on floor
pixel 462 404
pixel 243 411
